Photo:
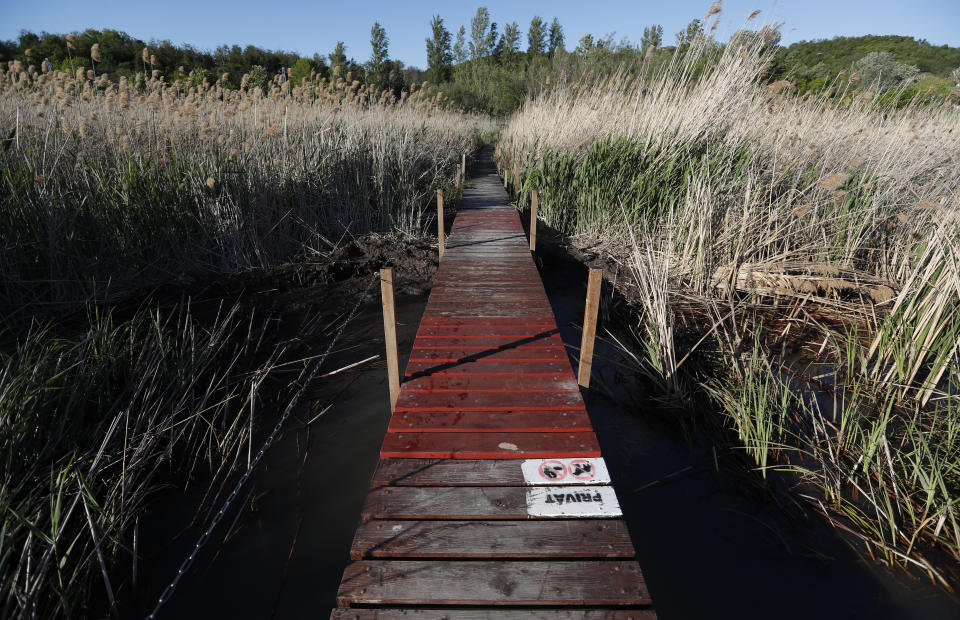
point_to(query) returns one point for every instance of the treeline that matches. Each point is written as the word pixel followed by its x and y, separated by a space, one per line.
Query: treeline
pixel 117 54
pixel 488 67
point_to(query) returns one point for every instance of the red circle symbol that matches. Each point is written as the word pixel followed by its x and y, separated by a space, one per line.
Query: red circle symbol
pixel 583 469
pixel 552 470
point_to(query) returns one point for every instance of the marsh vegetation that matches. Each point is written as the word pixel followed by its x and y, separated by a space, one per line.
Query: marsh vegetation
pixel 792 260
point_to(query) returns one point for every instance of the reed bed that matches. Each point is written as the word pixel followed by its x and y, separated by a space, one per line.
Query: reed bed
pixel 808 249
pixel 109 189
pixel 143 182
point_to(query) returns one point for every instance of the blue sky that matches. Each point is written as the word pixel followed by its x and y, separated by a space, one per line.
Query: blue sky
pixel 308 27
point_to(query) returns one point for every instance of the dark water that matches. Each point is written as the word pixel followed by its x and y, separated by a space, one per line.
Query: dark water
pixel 711 545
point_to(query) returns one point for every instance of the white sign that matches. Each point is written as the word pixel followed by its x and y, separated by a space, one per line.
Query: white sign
pixel 565 471
pixel 590 501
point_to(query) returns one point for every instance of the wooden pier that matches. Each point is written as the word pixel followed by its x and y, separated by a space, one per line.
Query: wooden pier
pixel 491 498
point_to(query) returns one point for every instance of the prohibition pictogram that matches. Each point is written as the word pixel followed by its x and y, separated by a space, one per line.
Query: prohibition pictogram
pixel 552 470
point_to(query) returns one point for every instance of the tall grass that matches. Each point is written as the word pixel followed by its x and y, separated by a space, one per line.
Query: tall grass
pixel 109 189
pixel 92 425
pixel 809 246
pixel 139 183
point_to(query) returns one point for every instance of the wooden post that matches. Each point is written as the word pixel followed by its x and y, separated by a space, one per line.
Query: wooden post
pixel 463 167
pixel 506 172
pixel 534 199
pixel 589 325
pixel 390 333
pixel 440 221
pixel 516 178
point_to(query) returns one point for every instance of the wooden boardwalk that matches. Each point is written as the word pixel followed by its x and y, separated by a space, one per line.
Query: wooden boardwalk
pixel 491 499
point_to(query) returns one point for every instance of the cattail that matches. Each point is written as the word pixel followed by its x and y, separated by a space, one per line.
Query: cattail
pixel 95 52
pixel 27 52
pixel 245 81
pixel 754 14
pixel 153 59
pixel 155 74
pixel 70 39
pixel 211 183
pixel 91 74
pixel 145 55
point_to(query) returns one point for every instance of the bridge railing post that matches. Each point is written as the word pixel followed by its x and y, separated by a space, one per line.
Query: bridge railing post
pixel 390 333
pixel 589 325
pixel 440 240
pixel 534 200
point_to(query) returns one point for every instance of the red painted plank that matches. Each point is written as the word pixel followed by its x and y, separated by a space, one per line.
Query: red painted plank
pixel 486 421
pixel 488 401
pixel 563 382
pixel 425 368
pixel 489 445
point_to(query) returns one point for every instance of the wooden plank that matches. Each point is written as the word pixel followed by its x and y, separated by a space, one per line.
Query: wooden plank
pixel 483 421
pixel 512 503
pixel 562 382
pixel 477 400
pixel 582 538
pixel 386 582
pixel 493 614
pixel 535 353
pixel 483 342
pixel 489 445
pixel 486 367
pixel 487 472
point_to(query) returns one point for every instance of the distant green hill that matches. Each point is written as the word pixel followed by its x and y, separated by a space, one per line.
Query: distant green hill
pixel 840 53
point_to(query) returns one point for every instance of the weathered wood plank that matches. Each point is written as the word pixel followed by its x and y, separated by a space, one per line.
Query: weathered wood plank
pixel 487 367
pixel 489 445
pixel 558 381
pixel 493 614
pixel 386 582
pixel 476 400
pixel 584 538
pixel 490 472
pixel 514 503
pixel 486 421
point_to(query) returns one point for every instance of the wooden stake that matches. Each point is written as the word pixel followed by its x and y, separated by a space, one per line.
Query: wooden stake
pixel 589 325
pixel 390 333
pixel 534 199
pixel 516 178
pixel 440 221
pixel 506 172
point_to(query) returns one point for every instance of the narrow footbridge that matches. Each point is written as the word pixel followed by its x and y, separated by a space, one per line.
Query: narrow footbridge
pixel 491 498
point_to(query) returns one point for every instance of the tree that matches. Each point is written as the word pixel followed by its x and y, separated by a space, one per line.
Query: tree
pixel 537 36
pixel 555 37
pixel 880 70
pixel 652 38
pixel 377 69
pixel 439 55
pixel 460 47
pixel 481 37
pixel 691 33
pixel 585 46
pixel 510 41
pixel 338 59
